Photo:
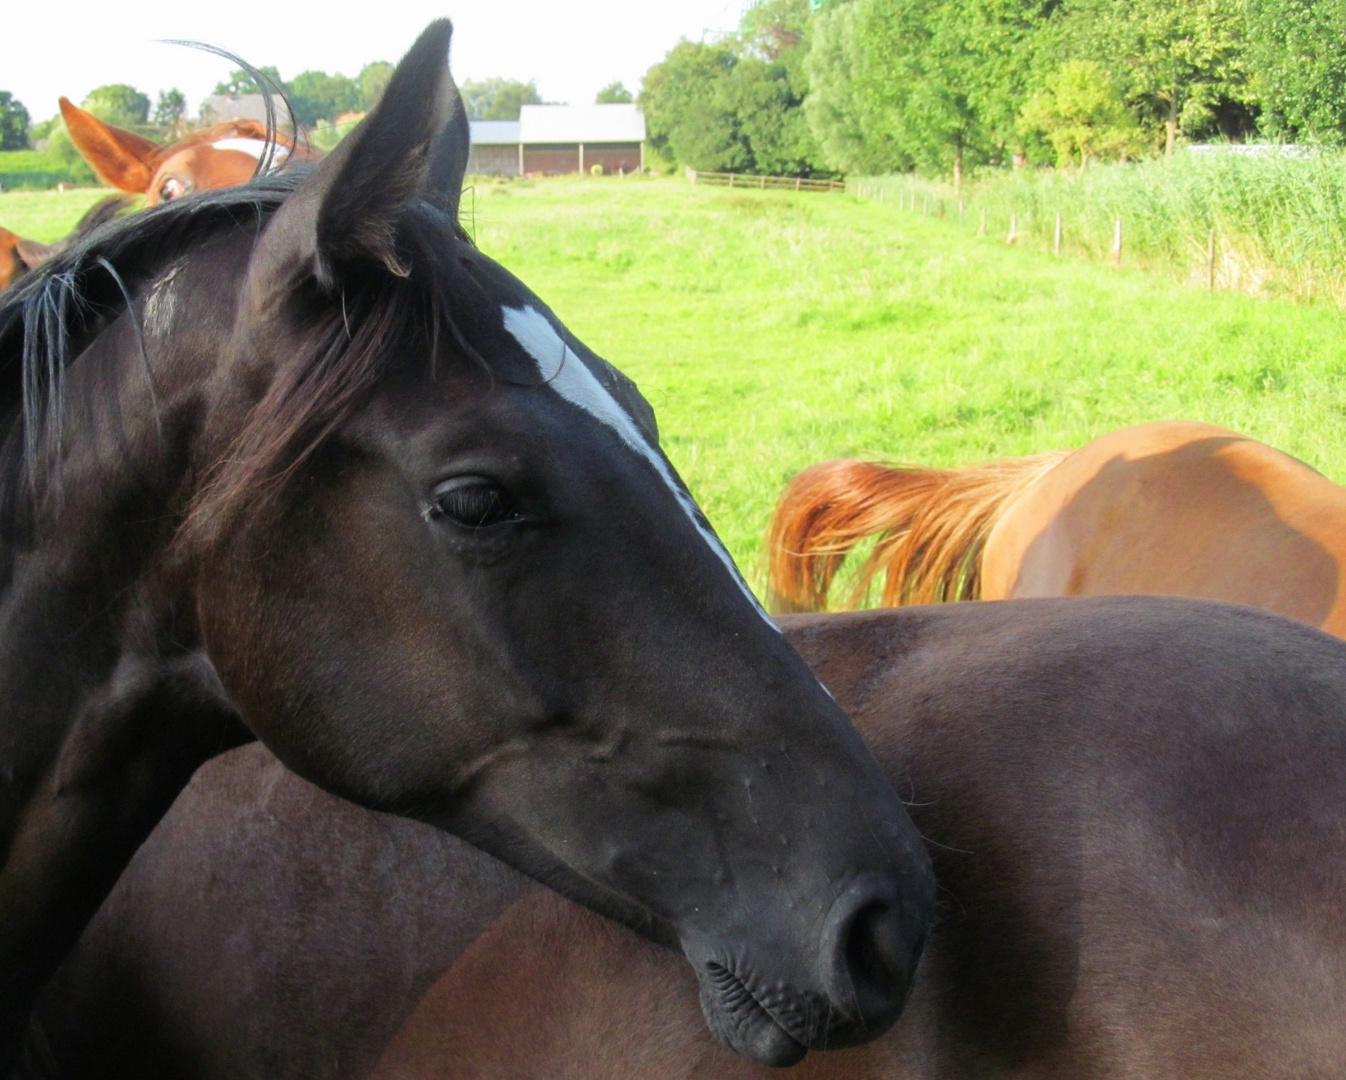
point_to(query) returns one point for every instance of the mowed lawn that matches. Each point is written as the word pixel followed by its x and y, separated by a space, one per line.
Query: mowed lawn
pixel 773 330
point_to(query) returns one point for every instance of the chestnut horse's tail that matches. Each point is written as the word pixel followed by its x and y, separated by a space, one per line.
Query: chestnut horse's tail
pixel 930 524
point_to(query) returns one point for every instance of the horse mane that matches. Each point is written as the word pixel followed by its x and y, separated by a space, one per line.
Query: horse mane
pixel 930 526
pixel 52 315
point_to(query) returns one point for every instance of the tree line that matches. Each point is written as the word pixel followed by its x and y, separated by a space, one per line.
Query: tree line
pixel 938 86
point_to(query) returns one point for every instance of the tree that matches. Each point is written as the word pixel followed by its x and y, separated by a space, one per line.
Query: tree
pixel 835 113
pixel 689 108
pixel 372 81
pixel 1297 54
pixel 497 99
pixel 316 95
pixel 14 121
pixel 1081 111
pixel 771 29
pixel 118 104
pixel 1178 60
pixel 240 82
pixel 614 94
pixel 170 108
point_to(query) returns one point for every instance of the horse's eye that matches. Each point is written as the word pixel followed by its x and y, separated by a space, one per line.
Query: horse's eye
pixel 173 188
pixel 475 502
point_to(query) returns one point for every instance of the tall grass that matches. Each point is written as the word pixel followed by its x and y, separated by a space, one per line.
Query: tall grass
pixel 1279 218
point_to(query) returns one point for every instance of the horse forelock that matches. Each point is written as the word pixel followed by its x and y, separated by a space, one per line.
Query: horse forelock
pixel 334 362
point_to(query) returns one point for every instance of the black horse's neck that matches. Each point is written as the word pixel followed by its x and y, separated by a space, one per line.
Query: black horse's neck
pixel 107 704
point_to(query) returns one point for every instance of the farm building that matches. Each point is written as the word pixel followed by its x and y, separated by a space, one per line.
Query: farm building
pixel 217 108
pixel 548 140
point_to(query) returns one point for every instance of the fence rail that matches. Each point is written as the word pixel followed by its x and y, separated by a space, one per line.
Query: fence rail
pixel 764 183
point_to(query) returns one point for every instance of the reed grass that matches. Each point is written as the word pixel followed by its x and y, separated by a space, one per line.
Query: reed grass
pixel 1279 215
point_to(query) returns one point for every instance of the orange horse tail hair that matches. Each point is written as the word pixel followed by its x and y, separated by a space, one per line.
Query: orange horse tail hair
pixel 930 525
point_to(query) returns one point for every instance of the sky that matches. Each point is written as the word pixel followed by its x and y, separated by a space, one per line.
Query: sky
pixel 571 49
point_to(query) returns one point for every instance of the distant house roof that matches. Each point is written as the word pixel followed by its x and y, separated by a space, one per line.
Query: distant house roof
pixel 495 132
pixel 222 107
pixel 581 124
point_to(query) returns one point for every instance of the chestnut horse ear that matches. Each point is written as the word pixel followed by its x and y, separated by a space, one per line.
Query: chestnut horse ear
pixel 122 158
pixel 33 253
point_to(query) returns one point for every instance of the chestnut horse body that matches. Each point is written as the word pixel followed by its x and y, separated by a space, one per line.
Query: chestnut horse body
pixel 1136 808
pixel 1174 508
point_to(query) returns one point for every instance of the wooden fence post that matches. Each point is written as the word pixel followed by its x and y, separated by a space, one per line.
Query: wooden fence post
pixel 1117 242
pixel 1014 229
pixel 1210 261
pixel 1056 246
pixel 925 204
pixel 982 230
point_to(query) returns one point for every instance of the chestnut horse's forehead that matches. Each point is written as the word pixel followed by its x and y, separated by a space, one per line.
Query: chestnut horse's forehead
pixel 207 166
pixel 568 376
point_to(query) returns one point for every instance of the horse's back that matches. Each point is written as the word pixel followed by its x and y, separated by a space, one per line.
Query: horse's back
pixel 1137 811
pixel 265 929
pixel 1183 509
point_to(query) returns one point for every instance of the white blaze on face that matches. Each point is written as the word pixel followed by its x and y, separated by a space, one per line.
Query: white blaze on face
pixel 252 147
pixel 570 377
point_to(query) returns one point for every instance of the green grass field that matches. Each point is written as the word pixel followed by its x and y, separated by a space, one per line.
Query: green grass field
pixel 771 331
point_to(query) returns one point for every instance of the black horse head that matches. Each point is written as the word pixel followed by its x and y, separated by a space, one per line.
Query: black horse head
pixel 321 466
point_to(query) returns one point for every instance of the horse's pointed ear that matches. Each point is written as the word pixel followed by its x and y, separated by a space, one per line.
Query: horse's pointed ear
pixel 366 182
pixel 34 254
pixel 122 158
pixel 448 163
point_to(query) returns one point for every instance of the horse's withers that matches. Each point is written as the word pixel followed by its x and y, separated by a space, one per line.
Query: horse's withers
pixel 440 566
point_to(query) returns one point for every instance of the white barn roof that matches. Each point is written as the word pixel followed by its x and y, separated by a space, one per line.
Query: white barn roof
pixel 495 132
pixel 581 124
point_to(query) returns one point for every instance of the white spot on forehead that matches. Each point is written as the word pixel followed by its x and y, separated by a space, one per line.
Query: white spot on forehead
pixel 252 147
pixel 570 377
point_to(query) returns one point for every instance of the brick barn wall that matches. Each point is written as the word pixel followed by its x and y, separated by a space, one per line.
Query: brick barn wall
pixel 494 160
pixel 551 160
pixel 614 157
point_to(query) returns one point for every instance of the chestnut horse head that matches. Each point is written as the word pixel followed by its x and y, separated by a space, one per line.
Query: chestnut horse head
pixel 296 459
pixel 224 155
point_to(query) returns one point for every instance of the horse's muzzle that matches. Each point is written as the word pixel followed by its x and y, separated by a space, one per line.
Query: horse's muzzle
pixel 868 950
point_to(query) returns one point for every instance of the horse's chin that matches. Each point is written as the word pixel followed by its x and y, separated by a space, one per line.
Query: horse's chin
pixel 746 1028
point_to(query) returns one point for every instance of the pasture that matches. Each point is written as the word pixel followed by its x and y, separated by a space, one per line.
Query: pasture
pixel 772 330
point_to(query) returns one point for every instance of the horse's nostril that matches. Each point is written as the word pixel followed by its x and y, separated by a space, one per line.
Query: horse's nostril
pixel 875 957
pixel 872 952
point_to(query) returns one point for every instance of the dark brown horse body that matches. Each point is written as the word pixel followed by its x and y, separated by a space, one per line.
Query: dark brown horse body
pixel 1136 808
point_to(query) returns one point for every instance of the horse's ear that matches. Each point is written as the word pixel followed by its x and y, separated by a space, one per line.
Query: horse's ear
pixel 345 213
pixel 448 164
pixel 367 181
pixel 122 158
pixel 34 254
